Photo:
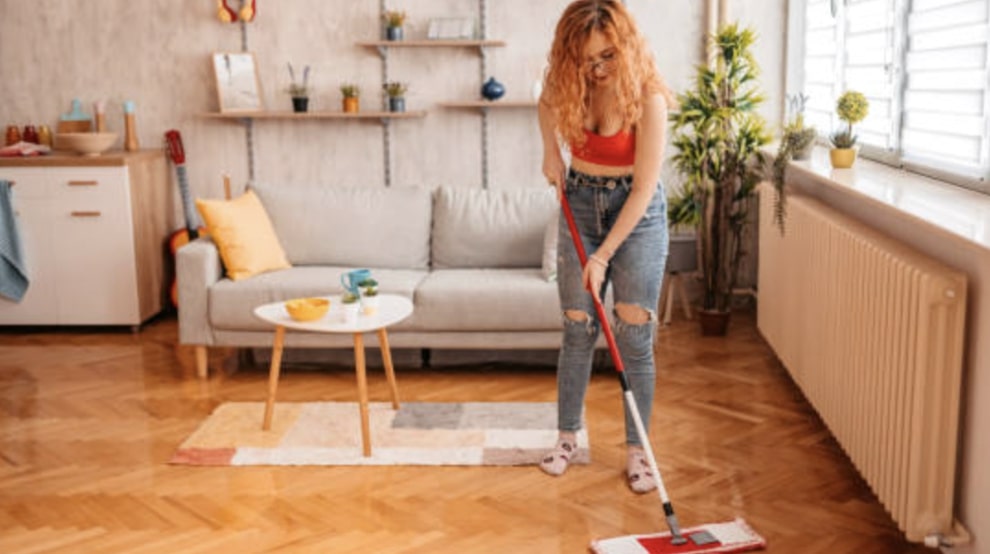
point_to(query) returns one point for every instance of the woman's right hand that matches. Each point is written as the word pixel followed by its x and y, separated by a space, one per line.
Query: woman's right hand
pixel 554 170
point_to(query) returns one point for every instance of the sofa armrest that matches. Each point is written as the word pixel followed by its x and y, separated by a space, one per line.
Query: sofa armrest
pixel 197 268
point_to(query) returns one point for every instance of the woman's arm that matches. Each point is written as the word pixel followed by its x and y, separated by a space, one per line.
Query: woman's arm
pixel 553 163
pixel 650 142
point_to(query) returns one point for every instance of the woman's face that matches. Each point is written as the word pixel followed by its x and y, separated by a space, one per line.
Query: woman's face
pixel 599 57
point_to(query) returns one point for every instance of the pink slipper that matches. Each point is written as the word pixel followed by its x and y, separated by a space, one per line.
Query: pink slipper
pixel 556 461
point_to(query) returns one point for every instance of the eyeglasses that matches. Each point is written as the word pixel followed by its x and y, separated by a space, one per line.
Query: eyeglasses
pixel 606 61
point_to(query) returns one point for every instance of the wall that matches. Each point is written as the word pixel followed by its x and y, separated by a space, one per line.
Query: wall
pixel 157 54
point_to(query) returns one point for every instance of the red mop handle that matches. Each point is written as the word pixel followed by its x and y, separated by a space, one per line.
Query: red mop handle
pixel 583 257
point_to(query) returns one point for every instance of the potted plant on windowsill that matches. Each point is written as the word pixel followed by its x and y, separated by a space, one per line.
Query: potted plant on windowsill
pixel 395 91
pixel 852 107
pixel 352 97
pixel 299 90
pixel 394 20
pixel 799 138
pixel 369 296
pixel 718 136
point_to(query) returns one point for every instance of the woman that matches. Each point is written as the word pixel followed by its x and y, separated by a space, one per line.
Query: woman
pixel 605 100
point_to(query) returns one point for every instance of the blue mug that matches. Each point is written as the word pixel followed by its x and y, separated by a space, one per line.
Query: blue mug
pixel 352 279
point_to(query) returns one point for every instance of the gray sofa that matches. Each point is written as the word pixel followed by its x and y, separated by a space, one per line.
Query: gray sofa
pixel 478 266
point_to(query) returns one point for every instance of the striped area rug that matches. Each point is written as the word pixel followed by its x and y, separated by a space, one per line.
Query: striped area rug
pixel 419 433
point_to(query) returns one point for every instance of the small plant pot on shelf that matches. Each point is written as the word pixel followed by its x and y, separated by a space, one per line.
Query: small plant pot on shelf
pixel 842 158
pixel 393 33
pixel 352 105
pixel 396 104
pixel 300 104
pixel 804 153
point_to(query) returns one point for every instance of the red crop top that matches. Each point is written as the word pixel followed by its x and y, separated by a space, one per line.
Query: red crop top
pixel 616 150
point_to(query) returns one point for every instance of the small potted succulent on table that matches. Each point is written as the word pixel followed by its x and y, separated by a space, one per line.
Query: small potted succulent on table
pixel 852 107
pixel 393 24
pixel 369 296
pixel 395 91
pixel 351 307
pixel 299 90
pixel 352 97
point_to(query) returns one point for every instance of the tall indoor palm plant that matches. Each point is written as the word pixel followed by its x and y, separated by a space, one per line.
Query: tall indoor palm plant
pixel 718 136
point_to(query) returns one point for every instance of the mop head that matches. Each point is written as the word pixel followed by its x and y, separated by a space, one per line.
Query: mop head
pixel 733 536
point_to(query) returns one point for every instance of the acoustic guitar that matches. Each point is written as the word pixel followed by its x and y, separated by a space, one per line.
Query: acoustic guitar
pixel 191 232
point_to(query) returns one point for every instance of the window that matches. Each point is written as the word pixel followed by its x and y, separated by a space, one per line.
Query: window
pixel 924 65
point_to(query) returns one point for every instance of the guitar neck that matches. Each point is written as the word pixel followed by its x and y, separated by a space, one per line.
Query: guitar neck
pixel 188 210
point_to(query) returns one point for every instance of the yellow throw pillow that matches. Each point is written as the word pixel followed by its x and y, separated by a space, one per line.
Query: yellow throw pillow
pixel 244 235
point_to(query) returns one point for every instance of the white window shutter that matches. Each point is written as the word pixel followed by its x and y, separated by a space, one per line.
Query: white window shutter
pixel 946 94
pixel 822 67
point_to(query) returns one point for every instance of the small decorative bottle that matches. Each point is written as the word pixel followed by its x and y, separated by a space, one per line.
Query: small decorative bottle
pixel 130 127
pixel 99 111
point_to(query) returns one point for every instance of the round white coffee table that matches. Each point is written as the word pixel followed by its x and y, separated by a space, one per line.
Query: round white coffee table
pixel 392 309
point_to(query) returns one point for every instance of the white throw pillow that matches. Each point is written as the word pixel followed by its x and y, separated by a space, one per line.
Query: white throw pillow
pixel 550 248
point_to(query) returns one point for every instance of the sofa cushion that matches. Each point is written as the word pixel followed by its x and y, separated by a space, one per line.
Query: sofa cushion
pixel 360 227
pixel 475 228
pixel 487 300
pixel 244 235
pixel 232 303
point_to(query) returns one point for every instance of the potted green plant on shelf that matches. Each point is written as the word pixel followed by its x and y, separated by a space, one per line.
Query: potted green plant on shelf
pixel 394 19
pixel 352 97
pixel 852 107
pixel 369 296
pixel 718 136
pixel 799 138
pixel 395 91
pixel 299 90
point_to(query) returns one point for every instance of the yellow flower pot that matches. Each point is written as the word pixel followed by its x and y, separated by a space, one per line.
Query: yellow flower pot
pixel 351 105
pixel 842 158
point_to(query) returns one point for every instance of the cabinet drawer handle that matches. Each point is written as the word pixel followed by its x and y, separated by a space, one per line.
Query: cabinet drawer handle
pixel 83 183
pixel 86 214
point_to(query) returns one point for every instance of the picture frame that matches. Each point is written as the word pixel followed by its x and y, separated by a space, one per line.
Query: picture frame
pixel 452 28
pixel 237 82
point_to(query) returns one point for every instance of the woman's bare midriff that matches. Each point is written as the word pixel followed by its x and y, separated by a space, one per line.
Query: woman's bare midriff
pixel 589 168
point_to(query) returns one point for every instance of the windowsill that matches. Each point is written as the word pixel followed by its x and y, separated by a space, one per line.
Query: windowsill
pixel 959 211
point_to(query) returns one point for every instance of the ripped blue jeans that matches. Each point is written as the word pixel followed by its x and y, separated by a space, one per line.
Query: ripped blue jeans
pixel 635 273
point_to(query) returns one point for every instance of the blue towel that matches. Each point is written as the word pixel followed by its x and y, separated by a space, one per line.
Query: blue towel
pixel 13 270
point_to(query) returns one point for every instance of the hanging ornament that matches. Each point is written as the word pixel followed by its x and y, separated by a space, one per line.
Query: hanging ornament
pixel 249 10
pixel 225 13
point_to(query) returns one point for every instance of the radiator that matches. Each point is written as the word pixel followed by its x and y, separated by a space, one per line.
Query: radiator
pixel 872 333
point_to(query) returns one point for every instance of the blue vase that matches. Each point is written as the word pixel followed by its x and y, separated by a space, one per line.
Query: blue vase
pixel 492 89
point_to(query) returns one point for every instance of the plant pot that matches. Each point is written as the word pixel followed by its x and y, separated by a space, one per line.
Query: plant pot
pixel 396 104
pixel 804 153
pixel 352 104
pixel 369 304
pixel 351 312
pixel 713 323
pixel 842 158
pixel 393 33
pixel 300 104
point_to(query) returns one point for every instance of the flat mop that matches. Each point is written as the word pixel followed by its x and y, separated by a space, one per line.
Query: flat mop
pixel 733 536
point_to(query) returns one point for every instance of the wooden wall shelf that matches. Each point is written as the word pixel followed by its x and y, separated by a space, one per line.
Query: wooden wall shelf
pixel 428 43
pixel 486 104
pixel 316 115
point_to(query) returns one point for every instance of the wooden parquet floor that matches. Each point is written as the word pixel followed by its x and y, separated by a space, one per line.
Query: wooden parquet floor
pixel 88 419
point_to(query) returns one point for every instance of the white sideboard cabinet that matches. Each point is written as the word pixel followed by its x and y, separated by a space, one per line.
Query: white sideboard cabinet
pixel 93 231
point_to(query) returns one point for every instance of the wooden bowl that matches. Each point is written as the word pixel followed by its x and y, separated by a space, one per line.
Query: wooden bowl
pixel 307 309
pixel 87 144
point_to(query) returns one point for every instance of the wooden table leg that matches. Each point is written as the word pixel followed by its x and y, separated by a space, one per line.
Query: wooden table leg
pixel 362 382
pixel 389 370
pixel 273 376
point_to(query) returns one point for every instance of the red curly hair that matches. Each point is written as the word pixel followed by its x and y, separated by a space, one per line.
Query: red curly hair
pixel 566 86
